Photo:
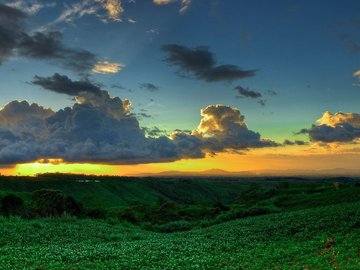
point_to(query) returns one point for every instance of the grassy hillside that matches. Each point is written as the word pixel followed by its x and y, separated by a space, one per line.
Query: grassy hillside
pixel 107 192
pixel 179 223
pixel 104 193
pixel 319 238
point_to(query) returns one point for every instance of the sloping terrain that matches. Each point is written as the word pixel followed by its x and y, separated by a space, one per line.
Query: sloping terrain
pixel 105 193
pixel 319 238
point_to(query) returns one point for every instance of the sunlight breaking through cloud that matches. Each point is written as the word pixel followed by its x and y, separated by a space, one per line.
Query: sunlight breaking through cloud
pixel 106 67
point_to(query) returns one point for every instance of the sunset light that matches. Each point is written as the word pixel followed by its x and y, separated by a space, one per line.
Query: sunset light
pixel 179 134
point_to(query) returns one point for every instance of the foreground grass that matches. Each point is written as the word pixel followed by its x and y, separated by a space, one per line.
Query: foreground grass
pixel 319 238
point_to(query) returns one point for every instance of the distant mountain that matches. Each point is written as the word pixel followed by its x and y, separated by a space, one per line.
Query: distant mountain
pixel 211 172
pixel 336 172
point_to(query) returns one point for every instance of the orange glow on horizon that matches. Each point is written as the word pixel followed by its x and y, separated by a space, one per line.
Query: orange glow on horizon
pixel 58 166
pixel 313 157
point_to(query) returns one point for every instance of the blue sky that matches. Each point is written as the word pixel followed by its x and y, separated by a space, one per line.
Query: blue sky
pixel 304 51
pixel 293 44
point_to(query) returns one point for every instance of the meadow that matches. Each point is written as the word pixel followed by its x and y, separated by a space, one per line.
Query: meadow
pixel 254 224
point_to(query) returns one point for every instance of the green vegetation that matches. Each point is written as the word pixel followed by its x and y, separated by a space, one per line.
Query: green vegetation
pixel 179 224
pixel 107 192
pixel 320 238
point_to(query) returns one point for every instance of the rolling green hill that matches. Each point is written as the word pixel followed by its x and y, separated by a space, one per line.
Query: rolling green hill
pixel 110 192
pixel 319 238
pixel 95 192
pixel 184 223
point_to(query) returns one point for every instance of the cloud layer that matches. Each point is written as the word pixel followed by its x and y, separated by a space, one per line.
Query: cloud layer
pixel 30 7
pixel 96 129
pixel 149 87
pixel 64 85
pixel 201 63
pixel 11 20
pixel 99 128
pixel 48 46
pixel 106 67
pixel 184 4
pixel 223 128
pixel 338 127
pixel 113 11
pixel 246 92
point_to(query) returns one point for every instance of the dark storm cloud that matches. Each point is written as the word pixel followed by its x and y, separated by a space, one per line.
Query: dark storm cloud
pixel 11 21
pixel 15 41
pixel 149 87
pixel 64 85
pixel 246 92
pixel 201 63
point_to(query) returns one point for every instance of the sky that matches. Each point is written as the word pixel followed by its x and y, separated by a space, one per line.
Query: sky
pixel 131 87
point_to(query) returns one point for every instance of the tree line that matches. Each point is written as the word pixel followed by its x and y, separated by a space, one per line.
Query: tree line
pixel 43 203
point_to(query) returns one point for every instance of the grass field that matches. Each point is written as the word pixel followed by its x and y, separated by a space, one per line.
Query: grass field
pixel 319 238
pixel 185 224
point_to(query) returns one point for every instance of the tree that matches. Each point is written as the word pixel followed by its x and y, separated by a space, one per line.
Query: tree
pixel 12 205
pixel 55 203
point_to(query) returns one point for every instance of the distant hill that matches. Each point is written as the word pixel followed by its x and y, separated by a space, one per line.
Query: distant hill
pixel 108 192
pixel 336 172
pixel 211 172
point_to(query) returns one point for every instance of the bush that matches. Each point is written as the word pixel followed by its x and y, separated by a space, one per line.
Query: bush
pixel 54 203
pixel 129 215
pixel 12 205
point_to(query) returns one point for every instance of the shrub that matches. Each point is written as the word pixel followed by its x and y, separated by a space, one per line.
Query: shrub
pixel 12 205
pixel 129 215
pixel 54 203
